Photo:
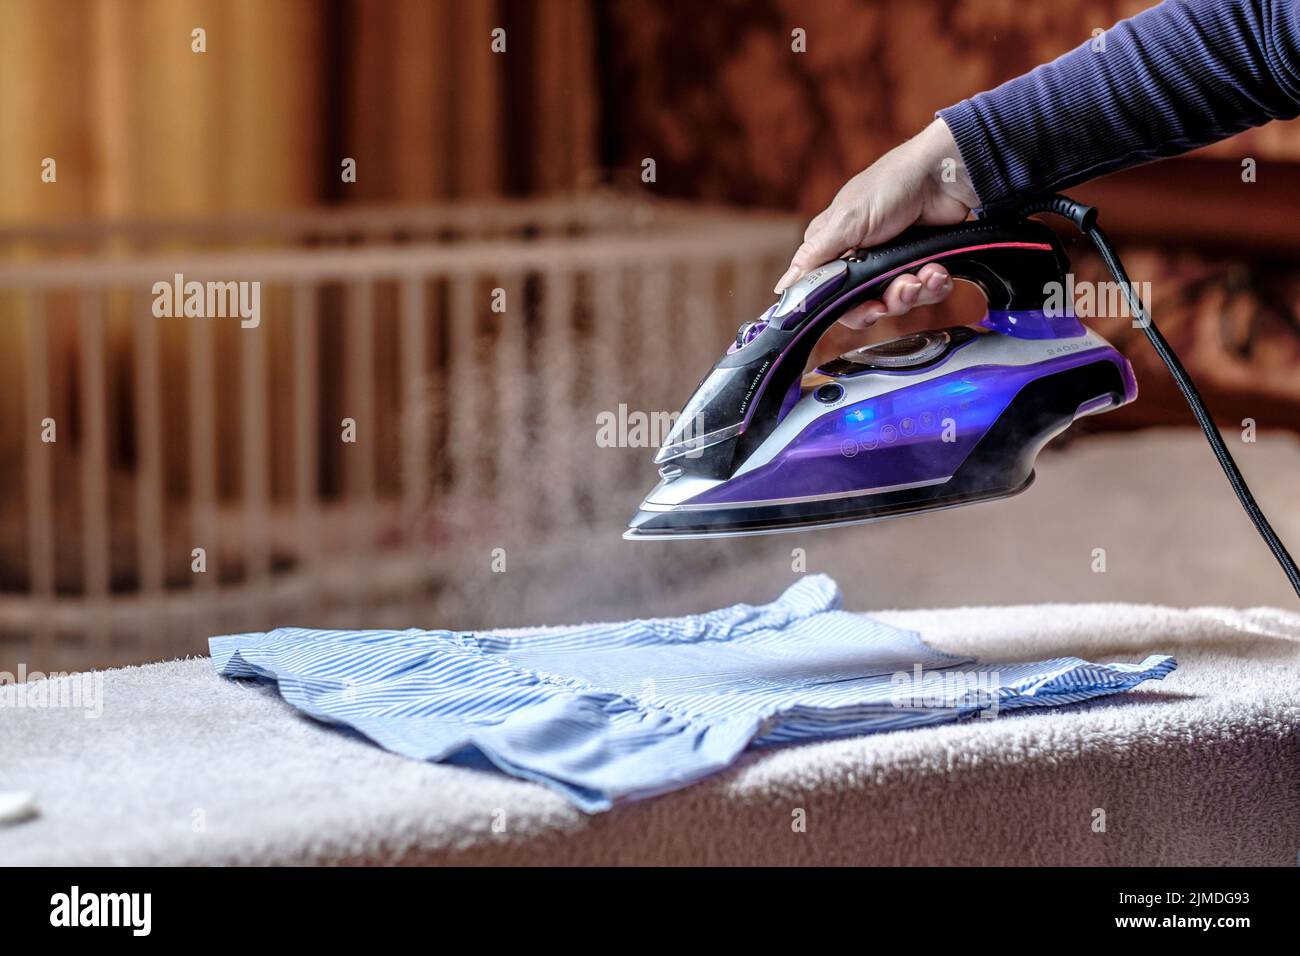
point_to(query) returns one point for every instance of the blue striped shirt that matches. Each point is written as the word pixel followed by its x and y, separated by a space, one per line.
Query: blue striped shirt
pixel 612 712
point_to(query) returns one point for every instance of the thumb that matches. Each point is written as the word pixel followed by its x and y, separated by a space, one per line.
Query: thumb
pixel 819 246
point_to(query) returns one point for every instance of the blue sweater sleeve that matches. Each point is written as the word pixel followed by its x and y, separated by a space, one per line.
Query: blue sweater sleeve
pixel 1176 76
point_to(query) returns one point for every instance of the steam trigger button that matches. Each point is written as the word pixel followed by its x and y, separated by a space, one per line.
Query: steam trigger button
pixel 810 293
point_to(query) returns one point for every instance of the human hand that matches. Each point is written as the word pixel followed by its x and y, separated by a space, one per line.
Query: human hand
pixel 903 187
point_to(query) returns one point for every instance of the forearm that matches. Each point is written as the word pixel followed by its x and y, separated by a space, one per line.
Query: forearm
pixel 1168 80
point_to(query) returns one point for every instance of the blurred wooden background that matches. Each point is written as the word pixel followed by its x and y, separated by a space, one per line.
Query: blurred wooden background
pixel 146 131
pixel 142 127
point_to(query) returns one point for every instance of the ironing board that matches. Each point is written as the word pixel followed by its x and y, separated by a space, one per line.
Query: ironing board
pixel 184 767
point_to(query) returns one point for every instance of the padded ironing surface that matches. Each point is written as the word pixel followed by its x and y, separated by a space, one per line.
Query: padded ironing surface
pixel 1198 769
pixel 185 767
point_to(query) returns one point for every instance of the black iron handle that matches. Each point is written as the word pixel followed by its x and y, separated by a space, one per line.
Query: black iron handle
pixel 1010 260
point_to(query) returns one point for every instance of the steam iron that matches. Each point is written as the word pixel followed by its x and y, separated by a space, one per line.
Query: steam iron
pixel 930 420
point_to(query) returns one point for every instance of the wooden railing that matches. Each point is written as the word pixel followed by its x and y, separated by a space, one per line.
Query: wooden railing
pixel 471 346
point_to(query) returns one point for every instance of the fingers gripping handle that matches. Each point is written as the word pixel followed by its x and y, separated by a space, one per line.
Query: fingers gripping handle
pixel 1012 262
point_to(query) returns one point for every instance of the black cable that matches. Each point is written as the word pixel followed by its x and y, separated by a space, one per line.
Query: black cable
pixel 1085 218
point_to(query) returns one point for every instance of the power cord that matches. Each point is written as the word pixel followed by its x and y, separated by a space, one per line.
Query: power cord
pixel 1085 220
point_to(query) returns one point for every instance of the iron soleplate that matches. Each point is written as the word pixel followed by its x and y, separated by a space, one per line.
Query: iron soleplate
pixel 744 522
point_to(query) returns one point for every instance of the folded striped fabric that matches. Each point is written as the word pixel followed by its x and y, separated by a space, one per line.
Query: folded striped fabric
pixel 606 713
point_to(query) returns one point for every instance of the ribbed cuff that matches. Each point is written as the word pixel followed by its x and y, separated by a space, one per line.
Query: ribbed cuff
pixel 977 152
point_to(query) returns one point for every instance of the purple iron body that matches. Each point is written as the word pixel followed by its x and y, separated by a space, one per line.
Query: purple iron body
pixel 925 421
